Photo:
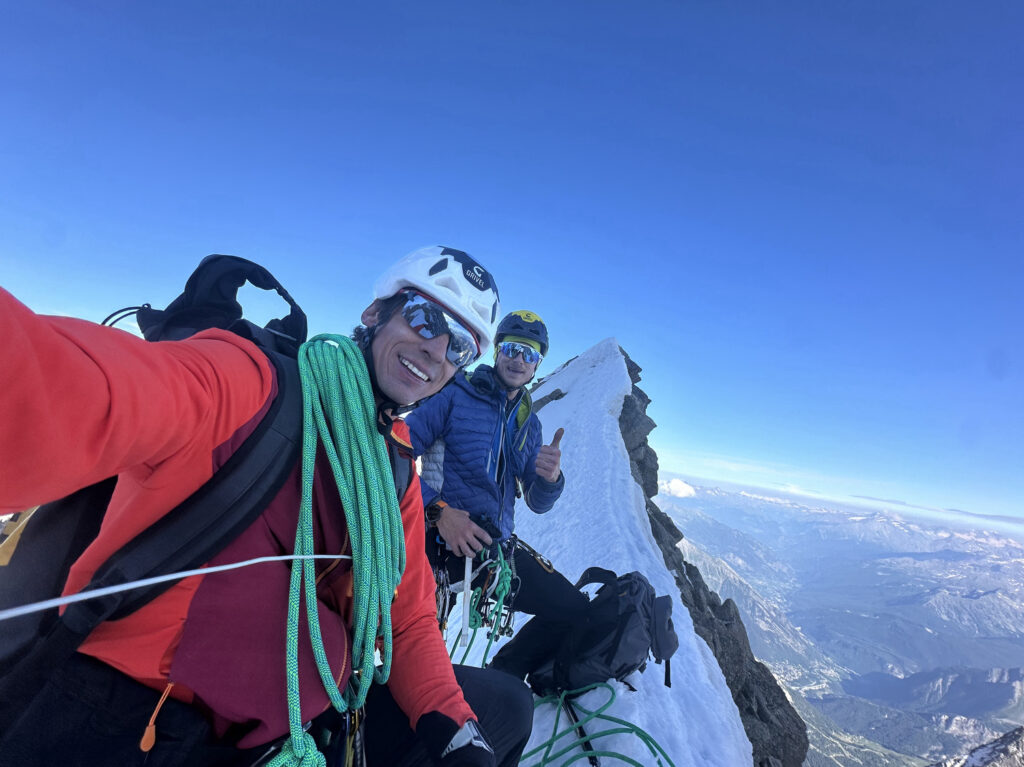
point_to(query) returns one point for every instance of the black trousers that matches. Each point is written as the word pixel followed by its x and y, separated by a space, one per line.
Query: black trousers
pixel 546 594
pixel 503 706
pixel 90 714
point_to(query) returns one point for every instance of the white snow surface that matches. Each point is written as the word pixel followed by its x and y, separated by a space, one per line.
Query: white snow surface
pixel 601 519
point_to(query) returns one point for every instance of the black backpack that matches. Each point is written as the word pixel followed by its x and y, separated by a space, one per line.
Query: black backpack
pixel 626 624
pixel 192 533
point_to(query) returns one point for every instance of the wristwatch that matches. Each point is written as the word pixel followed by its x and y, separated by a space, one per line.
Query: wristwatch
pixel 433 511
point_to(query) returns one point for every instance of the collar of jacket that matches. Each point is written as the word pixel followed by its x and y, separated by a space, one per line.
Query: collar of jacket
pixel 386 428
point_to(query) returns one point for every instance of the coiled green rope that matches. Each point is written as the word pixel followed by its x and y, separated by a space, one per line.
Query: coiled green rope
pixel 502 587
pixel 657 753
pixel 339 413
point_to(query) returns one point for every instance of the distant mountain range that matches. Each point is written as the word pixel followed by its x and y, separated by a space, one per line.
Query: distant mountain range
pixel 905 635
pixel 1006 751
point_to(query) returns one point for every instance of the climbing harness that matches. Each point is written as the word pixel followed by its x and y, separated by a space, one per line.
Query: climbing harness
pixel 489 605
pixel 339 414
pixel 442 597
pixel 566 701
pixel 340 737
pixel 543 561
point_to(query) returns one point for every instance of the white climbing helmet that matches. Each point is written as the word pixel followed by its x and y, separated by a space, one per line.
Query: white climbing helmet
pixel 454 279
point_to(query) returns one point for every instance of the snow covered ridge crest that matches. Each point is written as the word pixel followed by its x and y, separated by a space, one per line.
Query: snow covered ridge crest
pixel 606 517
pixel 1007 751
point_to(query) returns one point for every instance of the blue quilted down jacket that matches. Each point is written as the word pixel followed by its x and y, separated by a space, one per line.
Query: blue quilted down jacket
pixel 475 447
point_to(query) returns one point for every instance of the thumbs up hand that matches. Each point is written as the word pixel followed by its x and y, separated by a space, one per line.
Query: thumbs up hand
pixel 549 458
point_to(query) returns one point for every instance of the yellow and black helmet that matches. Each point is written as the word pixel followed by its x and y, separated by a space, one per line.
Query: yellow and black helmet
pixel 523 325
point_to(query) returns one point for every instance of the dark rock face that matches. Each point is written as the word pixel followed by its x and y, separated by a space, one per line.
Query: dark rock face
pixel 777 733
pixel 555 395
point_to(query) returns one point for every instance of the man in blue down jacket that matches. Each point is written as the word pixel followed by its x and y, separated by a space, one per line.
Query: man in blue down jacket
pixel 481 445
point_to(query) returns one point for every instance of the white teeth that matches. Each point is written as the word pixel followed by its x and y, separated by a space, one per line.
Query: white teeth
pixel 414 369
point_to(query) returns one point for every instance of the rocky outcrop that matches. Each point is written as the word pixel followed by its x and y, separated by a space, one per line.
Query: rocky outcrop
pixel 555 395
pixel 776 732
pixel 1007 751
pixel 635 425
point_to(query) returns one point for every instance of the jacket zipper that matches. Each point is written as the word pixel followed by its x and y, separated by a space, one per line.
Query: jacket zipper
pixel 503 467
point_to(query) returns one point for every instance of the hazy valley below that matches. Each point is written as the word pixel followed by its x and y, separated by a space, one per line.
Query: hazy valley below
pixel 900 639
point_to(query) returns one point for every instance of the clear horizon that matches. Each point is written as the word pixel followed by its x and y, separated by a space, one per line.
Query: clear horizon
pixel 1003 524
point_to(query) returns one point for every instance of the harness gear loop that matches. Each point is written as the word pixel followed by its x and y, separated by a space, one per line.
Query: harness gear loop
pixel 541 559
pixel 485 604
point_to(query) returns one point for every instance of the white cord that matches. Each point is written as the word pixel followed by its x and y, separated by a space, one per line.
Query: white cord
pixel 34 607
pixel 467 593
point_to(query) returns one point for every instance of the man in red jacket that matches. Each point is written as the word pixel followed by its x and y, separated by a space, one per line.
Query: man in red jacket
pixel 203 662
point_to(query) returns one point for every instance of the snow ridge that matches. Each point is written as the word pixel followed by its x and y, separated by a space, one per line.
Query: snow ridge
pixel 601 519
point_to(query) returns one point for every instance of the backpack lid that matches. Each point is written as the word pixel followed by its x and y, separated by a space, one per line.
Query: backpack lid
pixel 210 301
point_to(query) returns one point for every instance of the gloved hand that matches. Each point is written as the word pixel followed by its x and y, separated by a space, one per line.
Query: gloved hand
pixel 453 746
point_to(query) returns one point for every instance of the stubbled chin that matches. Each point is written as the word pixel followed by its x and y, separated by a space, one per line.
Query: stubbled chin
pixel 514 380
pixel 399 389
pixel 407 392
pixel 403 395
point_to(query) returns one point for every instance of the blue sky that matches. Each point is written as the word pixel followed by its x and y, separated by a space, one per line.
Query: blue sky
pixel 803 220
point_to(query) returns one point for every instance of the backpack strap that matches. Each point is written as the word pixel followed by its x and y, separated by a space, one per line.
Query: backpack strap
pixel 604 606
pixel 53 537
pixel 401 470
pixel 596 575
pixel 189 535
pixel 202 525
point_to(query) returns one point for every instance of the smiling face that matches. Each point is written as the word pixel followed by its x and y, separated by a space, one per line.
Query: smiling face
pixel 408 366
pixel 514 373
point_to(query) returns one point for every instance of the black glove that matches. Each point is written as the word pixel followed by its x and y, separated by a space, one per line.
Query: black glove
pixel 453 746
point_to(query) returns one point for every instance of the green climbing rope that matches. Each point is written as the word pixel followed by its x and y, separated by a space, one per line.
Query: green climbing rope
pixel 622 727
pixel 340 414
pixel 476 621
pixel 503 585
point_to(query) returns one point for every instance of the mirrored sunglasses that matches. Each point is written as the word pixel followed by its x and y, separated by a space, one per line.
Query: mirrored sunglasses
pixel 512 349
pixel 430 319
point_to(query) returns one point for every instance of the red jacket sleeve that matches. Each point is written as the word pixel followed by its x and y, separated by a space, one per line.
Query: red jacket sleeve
pixel 422 679
pixel 80 402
